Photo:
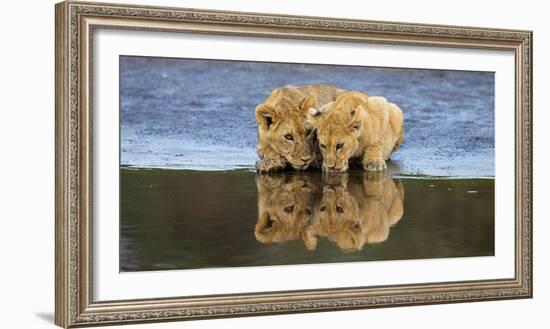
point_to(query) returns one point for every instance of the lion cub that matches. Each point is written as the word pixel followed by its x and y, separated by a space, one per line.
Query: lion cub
pixel 356 125
pixel 285 206
pixel 349 211
pixel 284 136
pixel 355 212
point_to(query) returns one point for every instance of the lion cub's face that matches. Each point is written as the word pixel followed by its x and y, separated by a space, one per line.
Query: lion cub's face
pixel 348 210
pixel 339 216
pixel 283 124
pixel 287 210
pixel 337 132
pixel 291 138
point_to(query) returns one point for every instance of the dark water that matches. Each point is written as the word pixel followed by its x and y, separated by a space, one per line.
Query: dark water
pixel 199 114
pixel 182 219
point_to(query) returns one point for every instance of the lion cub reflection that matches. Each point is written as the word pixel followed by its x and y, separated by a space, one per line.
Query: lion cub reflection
pixel 285 206
pixel 348 210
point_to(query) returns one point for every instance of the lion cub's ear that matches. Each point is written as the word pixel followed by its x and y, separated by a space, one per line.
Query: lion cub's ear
pixel 309 102
pixel 264 115
pixel 263 226
pixel 309 238
pixel 356 118
pixel 313 115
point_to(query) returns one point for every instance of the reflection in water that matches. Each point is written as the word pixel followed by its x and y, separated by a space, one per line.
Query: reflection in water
pixel 348 210
pixel 184 219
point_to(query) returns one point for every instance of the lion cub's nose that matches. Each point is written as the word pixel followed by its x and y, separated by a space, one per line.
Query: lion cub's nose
pixel 305 158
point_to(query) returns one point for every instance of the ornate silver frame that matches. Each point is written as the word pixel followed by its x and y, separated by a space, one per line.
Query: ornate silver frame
pixel 75 24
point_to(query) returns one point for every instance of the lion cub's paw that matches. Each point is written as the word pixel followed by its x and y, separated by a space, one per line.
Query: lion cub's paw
pixel 266 165
pixel 270 181
pixel 373 183
pixel 374 165
pixel 373 176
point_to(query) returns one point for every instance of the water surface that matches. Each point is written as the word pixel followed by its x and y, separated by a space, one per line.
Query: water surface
pixel 183 219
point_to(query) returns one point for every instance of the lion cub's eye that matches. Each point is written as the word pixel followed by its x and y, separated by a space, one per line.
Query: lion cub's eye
pixel 339 209
pixel 323 146
pixel 289 209
pixel 308 131
pixel 323 208
pixel 339 146
pixel 289 137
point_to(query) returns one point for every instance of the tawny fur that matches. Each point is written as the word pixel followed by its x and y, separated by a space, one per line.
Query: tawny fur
pixel 352 214
pixel 356 125
pixel 283 114
pixel 349 214
pixel 285 207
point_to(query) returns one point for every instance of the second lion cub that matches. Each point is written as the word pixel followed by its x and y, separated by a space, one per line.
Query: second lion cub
pixel 356 125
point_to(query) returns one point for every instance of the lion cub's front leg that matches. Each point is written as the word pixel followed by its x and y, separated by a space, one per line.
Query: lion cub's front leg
pixel 269 161
pixel 372 159
pixel 373 183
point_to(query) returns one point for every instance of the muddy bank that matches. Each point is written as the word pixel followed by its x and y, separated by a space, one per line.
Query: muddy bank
pixel 198 114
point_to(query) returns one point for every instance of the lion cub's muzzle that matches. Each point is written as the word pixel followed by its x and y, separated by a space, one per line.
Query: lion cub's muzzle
pixel 302 163
pixel 335 169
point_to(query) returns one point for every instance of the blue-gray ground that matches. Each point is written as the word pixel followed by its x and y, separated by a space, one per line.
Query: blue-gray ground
pixel 199 114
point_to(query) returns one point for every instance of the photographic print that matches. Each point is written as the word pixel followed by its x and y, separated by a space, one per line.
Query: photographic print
pixel 239 163
pixel 214 164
